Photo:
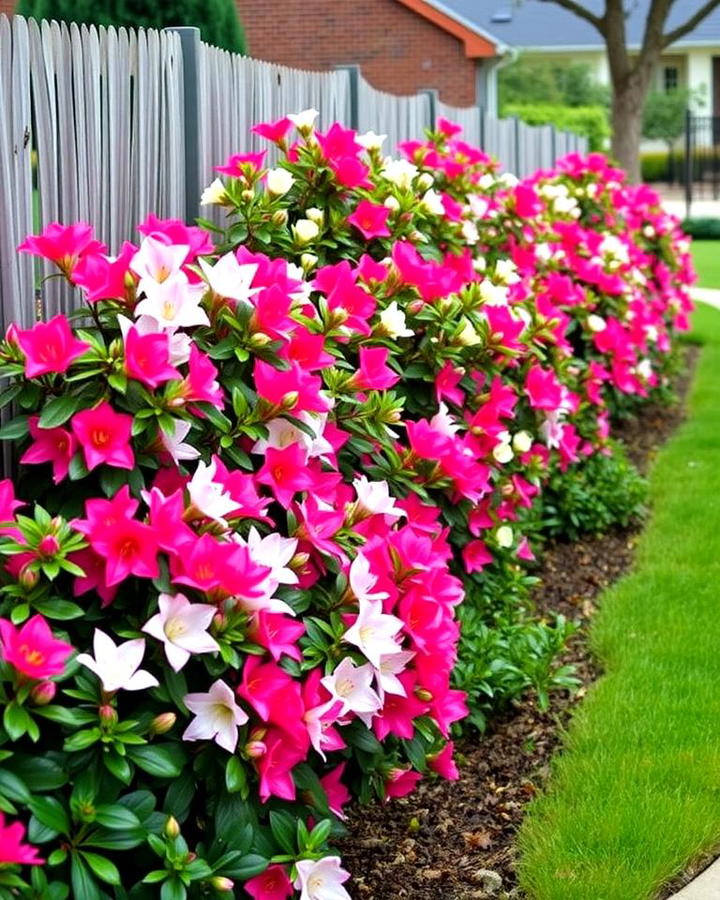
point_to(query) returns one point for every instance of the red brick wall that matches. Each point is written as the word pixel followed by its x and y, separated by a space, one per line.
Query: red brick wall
pixel 7 7
pixel 398 51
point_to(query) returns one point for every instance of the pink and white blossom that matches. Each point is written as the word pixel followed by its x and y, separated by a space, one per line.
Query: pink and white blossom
pixel 182 627
pixel 118 667
pixel 217 716
pixel 321 879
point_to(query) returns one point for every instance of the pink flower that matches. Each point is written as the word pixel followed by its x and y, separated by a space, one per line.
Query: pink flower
pixel 321 879
pixel 275 696
pixel 243 165
pixel 543 389
pixel 370 219
pixel 129 548
pixel 63 244
pixel 12 849
pixel 104 436
pixel 273 131
pixel 448 128
pixel 476 556
pixel 147 358
pixel 102 277
pixel 273 883
pixel 277 633
pixel 295 387
pixel 33 649
pixel 182 627
pixel 275 766
pixel 401 782
pixel 50 347
pixel 374 374
pixel 285 472
pixel 53 445
pixel 201 382
pixel 443 763
pixel 338 795
pixel 217 717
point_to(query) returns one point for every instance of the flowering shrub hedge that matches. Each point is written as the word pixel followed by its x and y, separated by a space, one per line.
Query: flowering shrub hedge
pixel 259 475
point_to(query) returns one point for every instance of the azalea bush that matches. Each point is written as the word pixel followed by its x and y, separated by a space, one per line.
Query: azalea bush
pixel 260 470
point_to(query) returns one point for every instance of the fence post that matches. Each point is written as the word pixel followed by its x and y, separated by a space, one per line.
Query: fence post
pixel 353 72
pixel 553 146
pixel 432 95
pixel 516 148
pixel 481 127
pixel 688 162
pixel 190 48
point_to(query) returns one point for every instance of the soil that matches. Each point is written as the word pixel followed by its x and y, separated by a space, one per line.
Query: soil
pixel 455 840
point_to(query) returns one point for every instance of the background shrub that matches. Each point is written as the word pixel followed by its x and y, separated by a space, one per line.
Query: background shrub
pixel 589 121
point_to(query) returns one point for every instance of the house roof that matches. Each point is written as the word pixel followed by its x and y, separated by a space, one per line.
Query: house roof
pixel 535 24
pixel 477 41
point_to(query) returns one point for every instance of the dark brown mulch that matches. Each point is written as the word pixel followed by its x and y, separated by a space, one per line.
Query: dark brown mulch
pixel 455 840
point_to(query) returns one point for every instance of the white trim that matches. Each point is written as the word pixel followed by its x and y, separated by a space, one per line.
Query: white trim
pixel 501 46
pixel 601 48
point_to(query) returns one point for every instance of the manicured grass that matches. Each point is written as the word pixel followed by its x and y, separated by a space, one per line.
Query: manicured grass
pixel 706 256
pixel 635 795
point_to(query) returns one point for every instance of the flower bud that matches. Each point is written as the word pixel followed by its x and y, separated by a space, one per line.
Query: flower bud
pixel 255 749
pixel 49 545
pixel 222 884
pixel 425 181
pixel 247 195
pixel 423 694
pixel 43 693
pixel 172 828
pixel 315 215
pixel 260 339
pixel 279 181
pixel 596 323
pixel 392 203
pixel 504 536
pixel 522 441
pixel 28 577
pixel 279 217
pixel 108 715
pixel 162 723
pixel 298 561
pixel 308 261
pixel 502 453
pixel 304 231
pixel 289 400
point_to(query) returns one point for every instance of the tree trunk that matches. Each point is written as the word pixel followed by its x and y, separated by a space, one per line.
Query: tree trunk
pixel 627 111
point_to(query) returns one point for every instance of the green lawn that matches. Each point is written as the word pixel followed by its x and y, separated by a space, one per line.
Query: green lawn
pixel 706 256
pixel 635 796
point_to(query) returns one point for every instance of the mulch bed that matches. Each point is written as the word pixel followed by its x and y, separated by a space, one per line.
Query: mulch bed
pixel 455 840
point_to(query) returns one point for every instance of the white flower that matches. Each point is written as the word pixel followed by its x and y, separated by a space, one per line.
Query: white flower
pixel 504 536
pixel 374 497
pixel 217 716
pixel 596 323
pixel 214 194
pixel 229 279
pixel 486 181
pixel 392 203
pixel 210 497
pixel 467 336
pixel 321 879
pixel 173 443
pixel 174 303
pixel 506 271
pixel 374 632
pixel 275 552
pixel 508 179
pixel 182 627
pixel 644 369
pixel 399 172
pixel 444 422
pixel 282 433
pixel 392 319
pixel 370 140
pixel 279 181
pixel 362 580
pixel 315 215
pixel 522 441
pixel 158 262
pixel 304 120
pixel 305 230
pixel 432 203
pixel 386 673
pixel 349 685
pixel 118 667
pixel 470 232
pixel 493 294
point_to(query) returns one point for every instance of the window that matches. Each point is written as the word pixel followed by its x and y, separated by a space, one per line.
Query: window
pixel 670 79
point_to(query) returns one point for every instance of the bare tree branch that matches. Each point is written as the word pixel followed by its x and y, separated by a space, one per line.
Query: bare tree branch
pixel 691 23
pixel 579 10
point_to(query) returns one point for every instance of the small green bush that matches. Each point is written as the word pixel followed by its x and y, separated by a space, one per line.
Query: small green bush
pixel 594 496
pixel 590 121
pixel 703 228
pixel 655 166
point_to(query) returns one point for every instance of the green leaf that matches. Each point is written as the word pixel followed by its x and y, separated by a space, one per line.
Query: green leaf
pixel 83 883
pixel 50 812
pixel 13 787
pixel 77 468
pixel 16 721
pixel 104 869
pixel 164 761
pixel 247 867
pixel 58 410
pixel 118 766
pixel 54 608
pixel 113 815
pixel 15 428
pixel 155 876
pixel 173 889
pixel 282 825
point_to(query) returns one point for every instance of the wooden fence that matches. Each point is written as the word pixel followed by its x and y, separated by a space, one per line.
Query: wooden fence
pixel 105 125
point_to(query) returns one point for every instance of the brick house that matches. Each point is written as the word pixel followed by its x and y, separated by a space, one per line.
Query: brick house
pixel 401 46
pixel 7 7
